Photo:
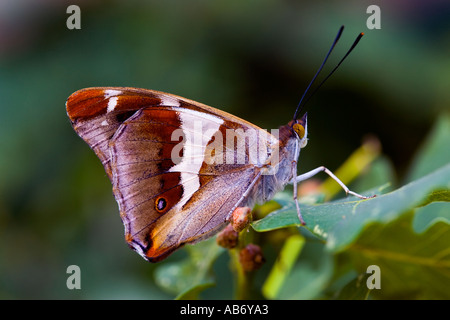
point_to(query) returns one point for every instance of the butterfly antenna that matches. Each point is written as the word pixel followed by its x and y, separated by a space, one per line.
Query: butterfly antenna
pixel 299 107
pixel 335 68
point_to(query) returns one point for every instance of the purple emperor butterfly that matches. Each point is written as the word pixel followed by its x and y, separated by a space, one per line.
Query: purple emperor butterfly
pixel 180 168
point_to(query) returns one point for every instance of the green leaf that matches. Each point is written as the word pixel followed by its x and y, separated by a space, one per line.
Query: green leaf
pixel 188 277
pixel 194 292
pixel 434 212
pixel 310 275
pixel 386 207
pixel 340 222
pixel 412 266
pixel 320 218
pixel 439 195
pixel 355 290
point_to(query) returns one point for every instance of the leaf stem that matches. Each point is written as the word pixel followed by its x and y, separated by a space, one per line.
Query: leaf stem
pixel 243 279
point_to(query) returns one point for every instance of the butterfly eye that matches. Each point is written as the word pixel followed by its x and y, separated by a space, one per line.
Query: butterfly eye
pixel 160 204
pixel 299 130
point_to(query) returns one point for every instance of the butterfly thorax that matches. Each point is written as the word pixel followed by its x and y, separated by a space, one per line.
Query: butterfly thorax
pixel 278 170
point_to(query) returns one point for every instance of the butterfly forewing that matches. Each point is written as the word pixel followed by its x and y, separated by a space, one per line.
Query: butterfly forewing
pixel 97 113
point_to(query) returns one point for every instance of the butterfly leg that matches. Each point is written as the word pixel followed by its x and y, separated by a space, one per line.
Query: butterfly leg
pixel 294 174
pixel 299 214
pixel 312 173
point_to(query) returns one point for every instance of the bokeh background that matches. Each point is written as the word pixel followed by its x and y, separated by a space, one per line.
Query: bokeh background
pixel 251 58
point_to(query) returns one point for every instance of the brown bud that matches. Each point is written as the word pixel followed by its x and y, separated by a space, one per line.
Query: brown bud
pixel 228 237
pixel 251 257
pixel 241 218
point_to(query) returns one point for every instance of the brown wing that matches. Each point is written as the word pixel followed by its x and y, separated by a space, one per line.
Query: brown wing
pixel 97 113
pixel 154 147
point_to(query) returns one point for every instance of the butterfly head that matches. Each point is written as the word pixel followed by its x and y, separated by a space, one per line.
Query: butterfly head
pixel 300 128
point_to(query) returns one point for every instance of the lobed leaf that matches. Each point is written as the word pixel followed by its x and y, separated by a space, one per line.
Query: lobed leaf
pixel 340 222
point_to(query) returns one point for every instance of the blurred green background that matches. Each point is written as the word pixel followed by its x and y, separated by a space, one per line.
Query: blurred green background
pixel 250 58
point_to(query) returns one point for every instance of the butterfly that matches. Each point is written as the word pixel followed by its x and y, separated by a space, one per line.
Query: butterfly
pixel 180 168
